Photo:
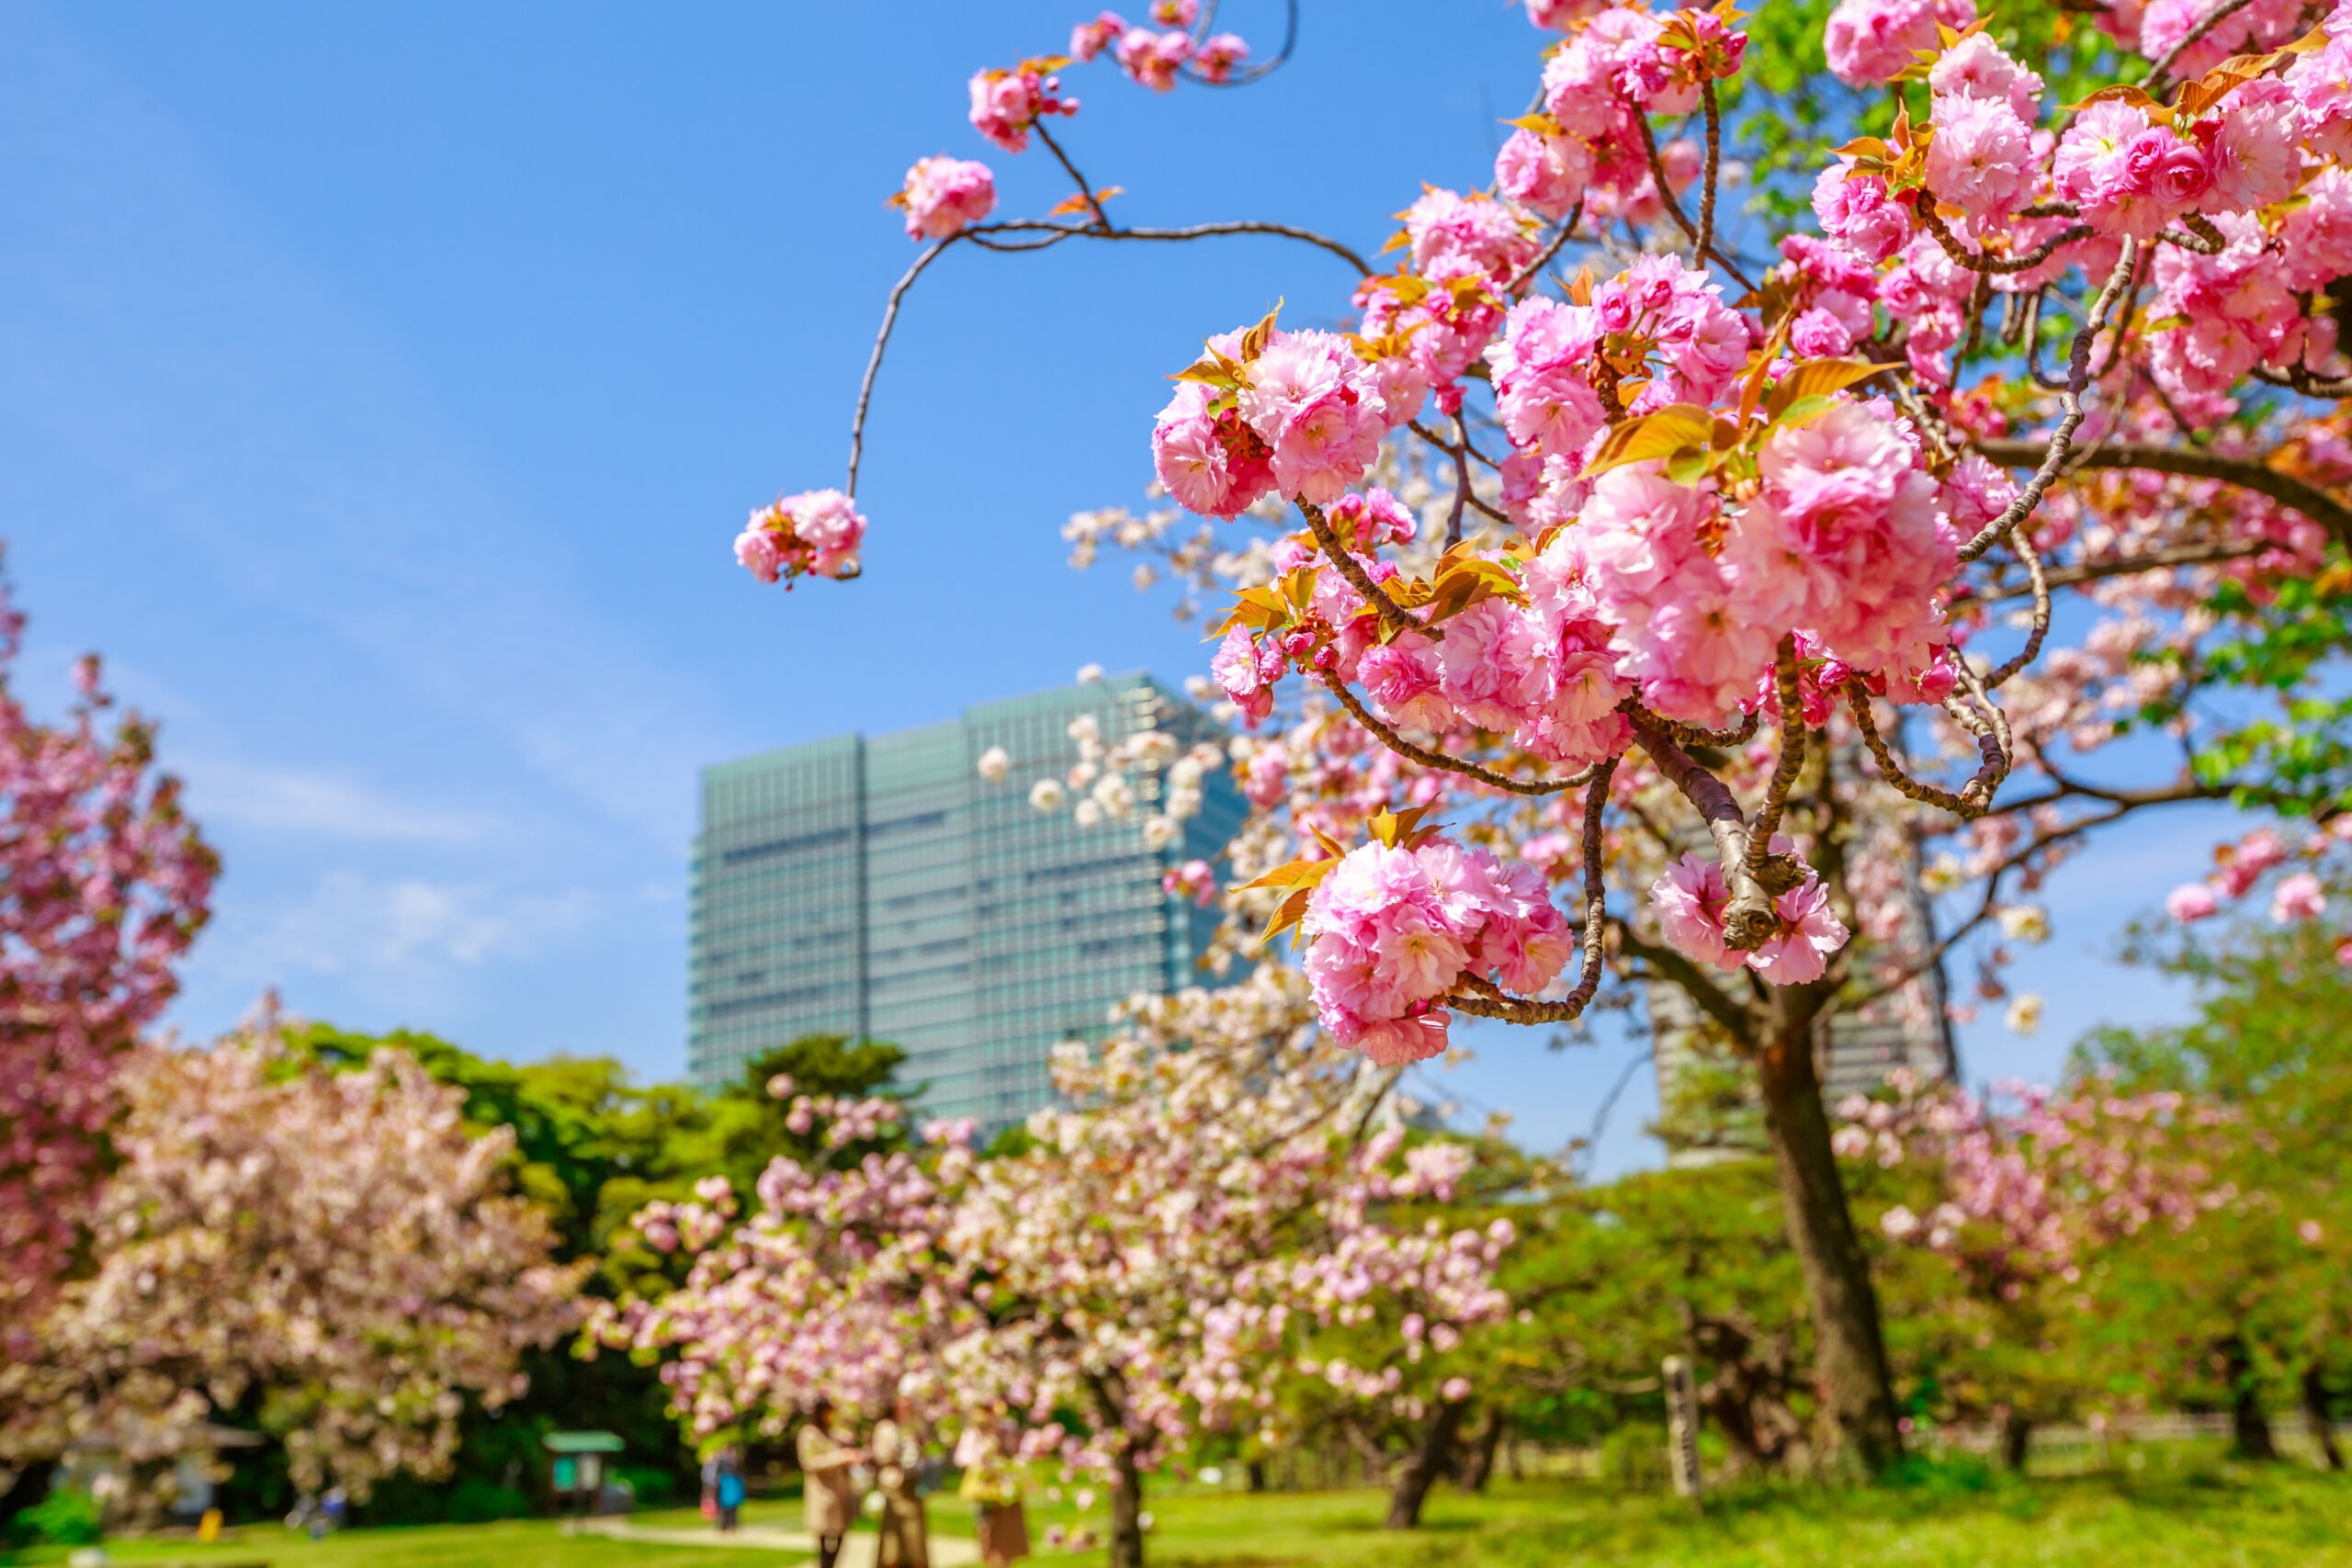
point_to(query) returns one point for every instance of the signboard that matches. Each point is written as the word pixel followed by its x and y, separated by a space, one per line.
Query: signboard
pixel 1683 1426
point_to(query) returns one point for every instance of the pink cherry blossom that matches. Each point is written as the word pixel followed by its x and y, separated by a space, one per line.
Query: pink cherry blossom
pixel 1871 40
pixel 2298 897
pixel 1152 58
pixel 943 194
pixel 2189 902
pixel 816 531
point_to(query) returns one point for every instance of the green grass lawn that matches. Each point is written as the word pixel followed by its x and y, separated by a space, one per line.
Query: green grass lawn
pixel 2204 1513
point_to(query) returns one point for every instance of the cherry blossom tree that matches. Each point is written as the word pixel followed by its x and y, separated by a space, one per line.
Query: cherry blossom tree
pixel 1138 1271
pixel 1655 544
pixel 2256 1302
pixel 834 1287
pixel 103 885
pixel 2028 1197
pixel 1212 1195
pixel 333 1254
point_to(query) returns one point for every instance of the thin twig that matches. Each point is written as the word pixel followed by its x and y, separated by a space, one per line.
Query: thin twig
pixel 1085 191
pixel 1981 261
pixel 1567 232
pixel 1460 481
pixel 1429 757
pixel 1487 1002
pixel 983 234
pixel 2160 76
pixel 1673 206
pixel 2023 544
pixel 1714 154
pixel 1791 759
pixel 2246 473
pixel 1391 614
pixel 2070 401
pixel 874 358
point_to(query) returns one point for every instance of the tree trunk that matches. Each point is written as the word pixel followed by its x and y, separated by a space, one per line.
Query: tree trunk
pixel 1127 1476
pixel 1422 1469
pixel 30 1485
pixel 2014 1434
pixel 1479 1458
pixel 2315 1415
pixel 1850 1354
pixel 1256 1471
pixel 2249 1429
pixel 1126 1511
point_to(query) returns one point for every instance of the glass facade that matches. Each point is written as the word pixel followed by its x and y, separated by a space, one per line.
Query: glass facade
pixel 880 887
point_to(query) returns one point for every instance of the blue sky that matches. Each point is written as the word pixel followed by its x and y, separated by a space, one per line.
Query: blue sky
pixel 382 387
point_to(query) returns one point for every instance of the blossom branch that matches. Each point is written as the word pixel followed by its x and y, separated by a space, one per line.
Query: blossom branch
pixel 1429 758
pixel 2159 76
pixel 1749 915
pixel 1673 206
pixel 2246 473
pixel 1984 262
pixel 1391 615
pixel 1790 761
pixel 2070 398
pixel 1486 1000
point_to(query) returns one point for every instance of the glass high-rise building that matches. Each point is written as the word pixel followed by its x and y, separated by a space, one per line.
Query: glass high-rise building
pixel 877 886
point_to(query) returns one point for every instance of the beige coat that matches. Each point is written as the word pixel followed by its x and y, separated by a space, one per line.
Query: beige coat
pixel 905 1542
pixel 828 1493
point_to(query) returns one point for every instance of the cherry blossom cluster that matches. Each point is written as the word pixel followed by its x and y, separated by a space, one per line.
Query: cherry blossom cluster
pixel 816 531
pixel 339 1247
pixel 2308 867
pixel 1394 929
pixel 104 883
pixel 943 194
pixel 1689 902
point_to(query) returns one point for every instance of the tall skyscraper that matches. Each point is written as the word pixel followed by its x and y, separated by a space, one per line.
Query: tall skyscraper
pixel 877 886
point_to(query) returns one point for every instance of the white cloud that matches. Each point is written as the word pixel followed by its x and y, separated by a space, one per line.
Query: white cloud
pixel 355 925
pixel 291 801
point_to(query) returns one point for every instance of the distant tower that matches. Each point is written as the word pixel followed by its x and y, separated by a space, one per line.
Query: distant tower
pixel 878 887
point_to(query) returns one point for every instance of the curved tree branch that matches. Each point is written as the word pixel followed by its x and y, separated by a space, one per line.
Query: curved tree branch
pixel 2189 462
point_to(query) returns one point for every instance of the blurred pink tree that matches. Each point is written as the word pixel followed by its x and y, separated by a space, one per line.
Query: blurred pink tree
pixel 104 881
pixel 333 1253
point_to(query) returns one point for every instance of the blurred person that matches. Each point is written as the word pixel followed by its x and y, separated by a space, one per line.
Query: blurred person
pixel 992 1486
pixel 729 1490
pixel 828 1491
pixel 897 1467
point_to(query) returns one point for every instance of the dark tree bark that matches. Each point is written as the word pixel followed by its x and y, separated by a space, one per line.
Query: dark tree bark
pixel 2249 1429
pixel 2315 1416
pixel 1127 1476
pixel 1848 1350
pixel 1423 1467
pixel 1479 1454
pixel 1747 1395
pixel 29 1487
pixel 2013 1435
pixel 1256 1471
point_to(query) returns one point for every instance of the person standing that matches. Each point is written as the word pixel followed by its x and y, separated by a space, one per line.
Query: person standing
pixel 828 1493
pixel 991 1485
pixel 731 1490
pixel 898 1464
